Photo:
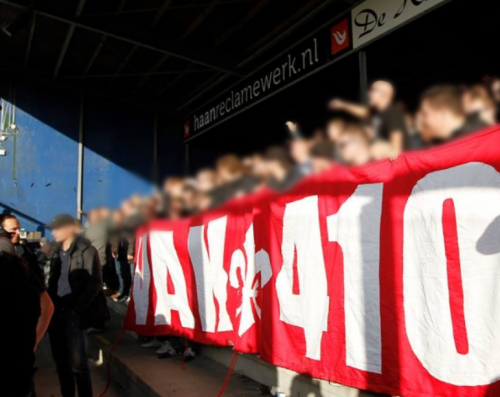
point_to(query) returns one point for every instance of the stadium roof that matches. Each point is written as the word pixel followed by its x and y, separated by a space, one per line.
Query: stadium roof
pixel 166 53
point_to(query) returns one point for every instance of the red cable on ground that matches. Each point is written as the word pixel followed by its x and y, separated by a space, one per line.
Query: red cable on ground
pixel 229 374
pixel 108 364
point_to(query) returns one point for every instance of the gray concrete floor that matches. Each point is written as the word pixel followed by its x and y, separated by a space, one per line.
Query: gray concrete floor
pixel 134 366
pixel 47 384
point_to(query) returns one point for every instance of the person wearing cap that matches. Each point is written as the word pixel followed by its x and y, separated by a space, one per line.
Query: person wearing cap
pixel 75 284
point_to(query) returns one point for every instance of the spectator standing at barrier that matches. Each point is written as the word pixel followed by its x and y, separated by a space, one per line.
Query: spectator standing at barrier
pixel 43 259
pixel 75 285
pixel 322 154
pixel 493 85
pixel 334 128
pixel 98 233
pixel 19 337
pixel 354 145
pixel 442 116
pixel 189 197
pixel 232 180
pixel 282 174
pixel 479 106
pixel 205 180
pixel 386 119
pixel 119 248
pixel 132 220
pixel 299 150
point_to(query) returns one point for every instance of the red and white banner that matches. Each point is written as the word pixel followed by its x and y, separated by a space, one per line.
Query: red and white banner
pixel 384 277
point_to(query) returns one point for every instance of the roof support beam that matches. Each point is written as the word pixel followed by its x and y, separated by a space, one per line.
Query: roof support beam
pixel 156 19
pixel 102 41
pixel 190 30
pixel 121 38
pixel 159 14
pixel 30 39
pixel 107 75
pixel 151 10
pixel 95 54
pixel 67 40
pixel 225 36
pixel 195 94
pixel 17 69
pixel 122 5
pixel 285 24
pixel 242 22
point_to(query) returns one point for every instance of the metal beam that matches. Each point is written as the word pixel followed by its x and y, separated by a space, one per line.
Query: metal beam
pixel 30 39
pixel 103 39
pixel 67 40
pixel 121 38
pixel 310 5
pixel 127 58
pixel 363 77
pixel 195 94
pixel 151 72
pixel 242 22
pixel 95 54
pixel 190 30
pixel 159 14
pixel 122 5
pixel 156 174
pixel 151 10
pixel 18 69
pixel 136 74
pixel 79 186
pixel 64 49
pixel 201 17
pixel 225 36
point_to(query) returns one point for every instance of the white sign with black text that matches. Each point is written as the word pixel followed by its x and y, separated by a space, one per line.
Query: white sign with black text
pixel 373 18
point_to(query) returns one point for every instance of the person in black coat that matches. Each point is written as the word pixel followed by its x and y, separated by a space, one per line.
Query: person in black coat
pixel 20 336
pixel 75 285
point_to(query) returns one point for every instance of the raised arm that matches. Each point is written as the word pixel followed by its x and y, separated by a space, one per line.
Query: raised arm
pixel 353 109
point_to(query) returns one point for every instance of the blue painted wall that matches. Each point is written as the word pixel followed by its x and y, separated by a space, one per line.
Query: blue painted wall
pixel 38 177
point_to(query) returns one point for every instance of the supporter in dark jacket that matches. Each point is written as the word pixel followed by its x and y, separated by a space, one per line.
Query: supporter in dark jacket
pixel 5 244
pixel 75 285
pixel 12 226
pixel 233 182
pixel 322 154
pixel 283 176
pixel 12 244
pixel 442 116
pixel 98 233
pixel 119 249
pixel 19 334
pixel 386 119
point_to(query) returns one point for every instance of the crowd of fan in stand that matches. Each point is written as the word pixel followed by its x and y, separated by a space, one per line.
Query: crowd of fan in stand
pixel 63 283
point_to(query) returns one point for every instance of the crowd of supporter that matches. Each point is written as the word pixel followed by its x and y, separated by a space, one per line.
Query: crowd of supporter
pixel 354 135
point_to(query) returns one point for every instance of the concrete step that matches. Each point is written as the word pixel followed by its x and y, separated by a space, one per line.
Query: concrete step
pixel 139 373
pixel 252 376
pixel 289 382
